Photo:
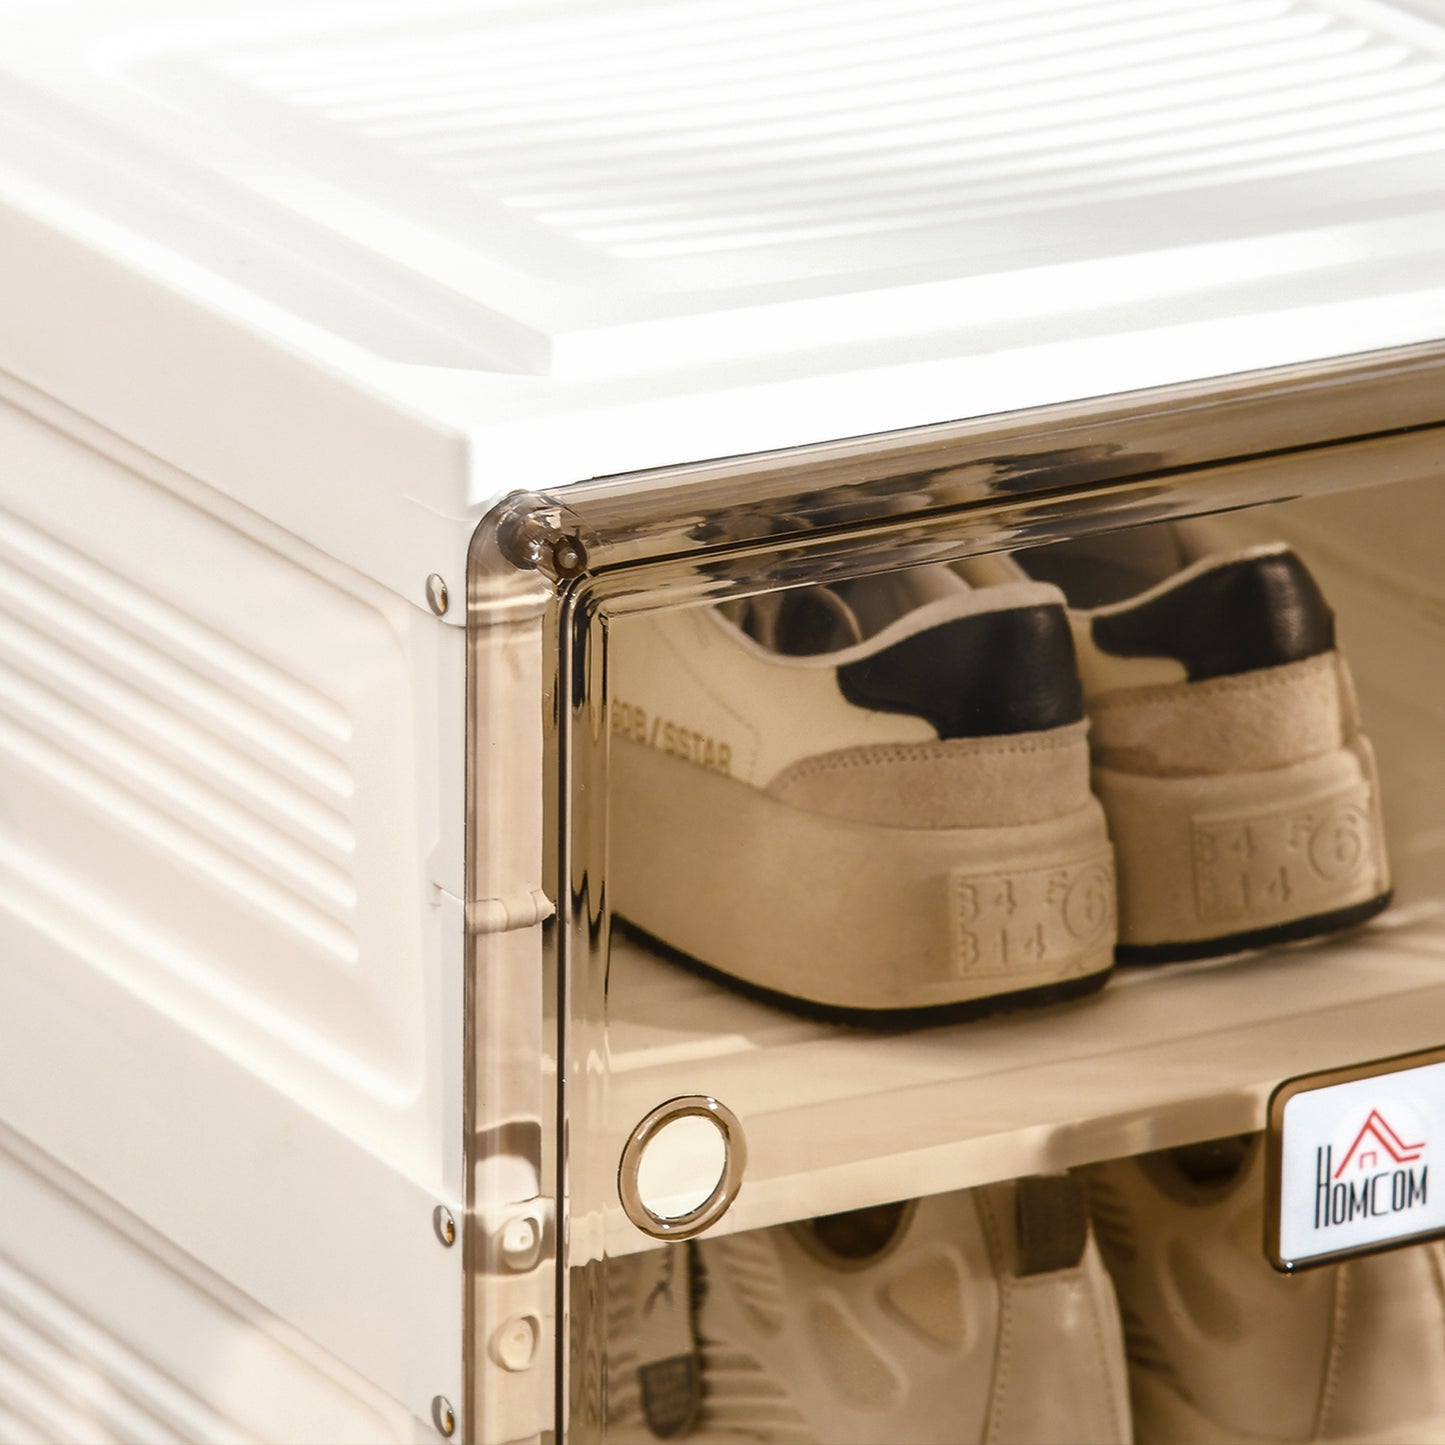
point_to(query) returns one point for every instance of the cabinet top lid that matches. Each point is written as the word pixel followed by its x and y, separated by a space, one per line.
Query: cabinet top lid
pixel 701 227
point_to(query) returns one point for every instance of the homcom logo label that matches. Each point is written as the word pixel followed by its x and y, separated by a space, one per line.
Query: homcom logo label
pixel 1371 1169
pixel 1350 1163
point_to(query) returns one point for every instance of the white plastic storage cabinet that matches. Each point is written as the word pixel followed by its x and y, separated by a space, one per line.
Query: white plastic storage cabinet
pixel 365 370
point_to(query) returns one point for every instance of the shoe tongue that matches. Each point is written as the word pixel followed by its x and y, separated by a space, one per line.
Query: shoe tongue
pixel 1095 571
pixel 799 623
pixel 809 620
pixel 1111 567
pixel 878 601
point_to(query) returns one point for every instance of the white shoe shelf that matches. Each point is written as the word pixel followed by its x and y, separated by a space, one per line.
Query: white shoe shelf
pixel 839 1118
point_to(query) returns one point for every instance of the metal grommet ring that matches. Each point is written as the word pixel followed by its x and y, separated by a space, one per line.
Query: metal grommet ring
pixel 735 1159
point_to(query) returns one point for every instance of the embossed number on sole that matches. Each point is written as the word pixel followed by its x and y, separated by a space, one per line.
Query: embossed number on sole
pixel 1032 920
pixel 1291 861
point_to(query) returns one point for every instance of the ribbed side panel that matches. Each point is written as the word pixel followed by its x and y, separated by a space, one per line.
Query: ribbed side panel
pixel 229 963
pixel 63 1379
pixel 207 767
pixel 654 131
pixel 217 757
pixel 108 1334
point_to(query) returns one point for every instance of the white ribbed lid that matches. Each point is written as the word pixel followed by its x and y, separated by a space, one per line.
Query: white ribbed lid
pixel 585 183
pixel 651 133
pixel 692 228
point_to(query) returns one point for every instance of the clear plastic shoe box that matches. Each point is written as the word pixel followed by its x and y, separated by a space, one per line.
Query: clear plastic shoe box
pixel 365 374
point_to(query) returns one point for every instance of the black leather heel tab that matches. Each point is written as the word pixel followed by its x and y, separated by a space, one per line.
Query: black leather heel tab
pixel 1243 615
pixel 1011 671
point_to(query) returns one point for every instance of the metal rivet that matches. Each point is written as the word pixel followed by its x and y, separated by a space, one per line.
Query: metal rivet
pixel 436 593
pixel 514 1346
pixel 568 556
pixel 521 1243
pixel 444 1224
pixel 443 1416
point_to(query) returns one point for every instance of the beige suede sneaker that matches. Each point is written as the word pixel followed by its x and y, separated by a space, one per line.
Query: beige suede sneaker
pixel 1223 1350
pixel 1242 797
pixel 869 800
pixel 979 1316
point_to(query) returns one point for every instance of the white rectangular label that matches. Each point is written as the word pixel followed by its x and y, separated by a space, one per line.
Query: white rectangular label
pixel 1361 1162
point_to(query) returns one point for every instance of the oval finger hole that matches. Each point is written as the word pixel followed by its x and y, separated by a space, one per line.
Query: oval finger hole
pixel 682 1167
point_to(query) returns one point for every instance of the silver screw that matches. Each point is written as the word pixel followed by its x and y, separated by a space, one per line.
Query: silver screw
pixel 436 593
pixel 443 1416
pixel 444 1224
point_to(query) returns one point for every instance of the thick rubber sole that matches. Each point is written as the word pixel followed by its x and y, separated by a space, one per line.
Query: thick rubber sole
pixel 1217 864
pixel 881 1020
pixel 853 917
pixel 1315 926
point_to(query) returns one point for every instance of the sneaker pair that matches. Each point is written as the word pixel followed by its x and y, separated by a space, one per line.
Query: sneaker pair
pixel 982 1315
pixel 988 1315
pixel 913 792
pixel 1225 1351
